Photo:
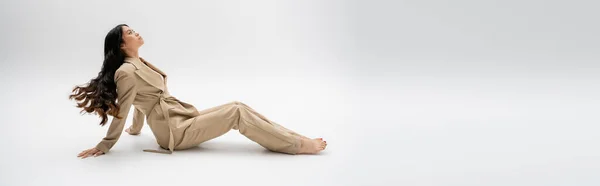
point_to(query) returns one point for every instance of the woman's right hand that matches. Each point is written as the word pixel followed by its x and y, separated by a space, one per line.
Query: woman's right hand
pixel 90 152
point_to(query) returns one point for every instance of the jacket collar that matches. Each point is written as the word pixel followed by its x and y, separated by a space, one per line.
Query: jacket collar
pixel 137 63
pixel 144 74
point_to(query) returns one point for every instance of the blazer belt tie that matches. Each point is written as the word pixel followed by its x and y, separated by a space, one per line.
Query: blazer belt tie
pixel 165 111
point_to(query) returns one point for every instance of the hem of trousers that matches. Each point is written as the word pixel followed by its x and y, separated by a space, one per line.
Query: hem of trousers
pixel 298 145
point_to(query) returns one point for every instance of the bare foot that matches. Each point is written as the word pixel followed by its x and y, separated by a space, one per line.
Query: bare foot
pixel 312 146
pixel 303 137
pixel 128 130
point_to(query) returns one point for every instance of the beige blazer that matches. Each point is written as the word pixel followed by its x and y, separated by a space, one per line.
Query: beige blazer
pixel 139 84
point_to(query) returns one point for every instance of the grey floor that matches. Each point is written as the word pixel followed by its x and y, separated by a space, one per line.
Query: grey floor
pixel 419 93
pixel 428 131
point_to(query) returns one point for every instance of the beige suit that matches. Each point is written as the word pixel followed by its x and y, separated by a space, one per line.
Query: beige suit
pixel 179 125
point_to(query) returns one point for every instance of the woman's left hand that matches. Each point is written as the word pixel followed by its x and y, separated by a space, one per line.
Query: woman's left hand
pixel 90 152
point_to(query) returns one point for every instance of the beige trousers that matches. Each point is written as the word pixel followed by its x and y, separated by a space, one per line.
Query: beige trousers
pixel 216 121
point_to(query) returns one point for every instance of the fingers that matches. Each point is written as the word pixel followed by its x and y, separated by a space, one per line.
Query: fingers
pixel 90 152
pixel 98 153
pixel 128 130
pixel 83 153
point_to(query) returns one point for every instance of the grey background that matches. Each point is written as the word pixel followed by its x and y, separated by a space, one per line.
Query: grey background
pixel 426 92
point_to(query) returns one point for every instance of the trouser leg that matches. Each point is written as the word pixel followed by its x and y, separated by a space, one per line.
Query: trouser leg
pixel 216 121
pixel 271 122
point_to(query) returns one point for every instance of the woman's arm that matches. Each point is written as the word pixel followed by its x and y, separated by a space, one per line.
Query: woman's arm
pixel 138 122
pixel 126 91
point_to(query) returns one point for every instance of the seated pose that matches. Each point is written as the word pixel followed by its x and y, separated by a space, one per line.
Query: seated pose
pixel 132 81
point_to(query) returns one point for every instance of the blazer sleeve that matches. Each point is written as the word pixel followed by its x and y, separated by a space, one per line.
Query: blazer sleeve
pixel 138 121
pixel 126 92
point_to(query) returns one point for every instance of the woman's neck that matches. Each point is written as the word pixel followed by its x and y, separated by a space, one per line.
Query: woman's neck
pixel 132 54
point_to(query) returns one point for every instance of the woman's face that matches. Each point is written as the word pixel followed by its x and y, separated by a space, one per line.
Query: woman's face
pixel 131 39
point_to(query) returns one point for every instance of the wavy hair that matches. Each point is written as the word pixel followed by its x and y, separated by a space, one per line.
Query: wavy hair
pixel 99 95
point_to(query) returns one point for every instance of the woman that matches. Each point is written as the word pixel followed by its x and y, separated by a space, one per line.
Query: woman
pixel 177 125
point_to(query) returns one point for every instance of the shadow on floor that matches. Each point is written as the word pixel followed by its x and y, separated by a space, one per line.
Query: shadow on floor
pixel 232 148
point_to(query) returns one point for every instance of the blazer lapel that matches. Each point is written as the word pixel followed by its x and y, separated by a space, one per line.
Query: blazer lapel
pixel 146 75
pixel 156 69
